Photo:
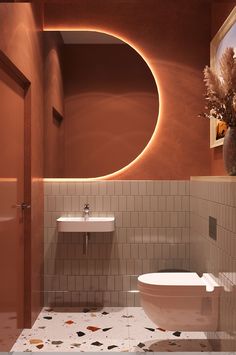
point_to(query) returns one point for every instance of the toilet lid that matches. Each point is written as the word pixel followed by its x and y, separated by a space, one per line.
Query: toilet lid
pixel 172 279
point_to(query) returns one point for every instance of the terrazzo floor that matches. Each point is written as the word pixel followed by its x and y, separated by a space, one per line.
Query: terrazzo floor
pixel 116 329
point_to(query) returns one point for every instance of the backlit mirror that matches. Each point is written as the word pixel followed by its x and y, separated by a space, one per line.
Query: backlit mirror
pixel 101 104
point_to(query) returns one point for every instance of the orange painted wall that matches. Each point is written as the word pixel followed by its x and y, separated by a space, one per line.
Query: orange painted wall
pixel 220 12
pixel 53 97
pixel 174 36
pixel 21 41
pixel 111 108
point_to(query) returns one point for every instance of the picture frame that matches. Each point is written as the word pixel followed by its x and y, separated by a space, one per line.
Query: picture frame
pixel 225 37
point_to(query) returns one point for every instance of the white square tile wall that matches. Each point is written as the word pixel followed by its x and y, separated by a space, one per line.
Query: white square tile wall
pixel 216 199
pixel 152 233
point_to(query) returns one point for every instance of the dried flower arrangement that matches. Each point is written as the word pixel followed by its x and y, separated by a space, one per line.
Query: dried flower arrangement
pixel 221 90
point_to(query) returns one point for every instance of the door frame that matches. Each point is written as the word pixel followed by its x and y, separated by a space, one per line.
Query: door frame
pixel 16 74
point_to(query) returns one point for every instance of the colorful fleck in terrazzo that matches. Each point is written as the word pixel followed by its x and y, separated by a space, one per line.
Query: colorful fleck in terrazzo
pixel 117 329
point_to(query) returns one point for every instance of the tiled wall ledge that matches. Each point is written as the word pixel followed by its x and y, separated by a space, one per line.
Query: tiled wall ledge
pixel 220 190
pixel 214 178
pixel 152 233
pixel 192 178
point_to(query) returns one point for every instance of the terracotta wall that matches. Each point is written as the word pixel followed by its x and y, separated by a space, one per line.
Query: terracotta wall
pixel 174 36
pixel 111 108
pixel 220 12
pixel 53 98
pixel 21 41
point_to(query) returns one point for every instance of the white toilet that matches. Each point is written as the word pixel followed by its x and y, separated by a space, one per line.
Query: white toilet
pixel 180 300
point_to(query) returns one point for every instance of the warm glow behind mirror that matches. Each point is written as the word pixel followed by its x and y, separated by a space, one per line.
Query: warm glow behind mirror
pixel 108 98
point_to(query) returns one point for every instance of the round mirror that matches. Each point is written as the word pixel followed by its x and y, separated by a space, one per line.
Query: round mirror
pixel 111 104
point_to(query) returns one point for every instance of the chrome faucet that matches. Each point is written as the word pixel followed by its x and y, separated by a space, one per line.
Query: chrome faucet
pixel 86 210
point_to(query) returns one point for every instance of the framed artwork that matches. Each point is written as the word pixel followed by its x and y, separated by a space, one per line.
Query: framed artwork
pixel 225 37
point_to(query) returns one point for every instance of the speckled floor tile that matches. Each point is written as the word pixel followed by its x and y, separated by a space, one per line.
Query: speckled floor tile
pixel 112 345
pixel 140 327
pixel 115 329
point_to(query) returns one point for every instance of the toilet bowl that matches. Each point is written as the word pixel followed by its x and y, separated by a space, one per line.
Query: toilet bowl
pixel 180 300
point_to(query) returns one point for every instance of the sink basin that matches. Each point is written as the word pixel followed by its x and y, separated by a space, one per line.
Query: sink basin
pixel 91 224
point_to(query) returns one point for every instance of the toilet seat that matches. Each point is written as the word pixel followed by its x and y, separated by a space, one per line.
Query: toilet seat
pixel 177 284
pixel 172 278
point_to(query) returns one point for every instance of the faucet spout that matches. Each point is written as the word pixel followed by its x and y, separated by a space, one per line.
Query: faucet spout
pixel 86 211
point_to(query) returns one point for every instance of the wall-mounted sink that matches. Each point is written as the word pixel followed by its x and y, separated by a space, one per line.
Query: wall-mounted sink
pixel 90 224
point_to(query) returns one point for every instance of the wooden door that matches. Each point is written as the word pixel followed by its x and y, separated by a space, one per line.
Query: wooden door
pixel 13 215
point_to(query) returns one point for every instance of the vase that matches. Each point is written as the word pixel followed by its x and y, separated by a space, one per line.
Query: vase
pixel 229 151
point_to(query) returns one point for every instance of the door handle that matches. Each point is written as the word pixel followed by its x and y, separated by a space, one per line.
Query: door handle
pixel 23 206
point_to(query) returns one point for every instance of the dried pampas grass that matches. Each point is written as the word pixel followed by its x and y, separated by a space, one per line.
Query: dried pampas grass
pixel 213 84
pixel 221 89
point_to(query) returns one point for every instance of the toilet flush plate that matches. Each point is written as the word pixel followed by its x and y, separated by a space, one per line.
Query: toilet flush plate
pixel 90 224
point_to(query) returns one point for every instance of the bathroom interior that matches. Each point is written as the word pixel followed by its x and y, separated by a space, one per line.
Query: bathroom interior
pixel 117 216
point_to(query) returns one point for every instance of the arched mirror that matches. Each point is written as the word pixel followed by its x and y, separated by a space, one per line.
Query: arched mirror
pixel 110 105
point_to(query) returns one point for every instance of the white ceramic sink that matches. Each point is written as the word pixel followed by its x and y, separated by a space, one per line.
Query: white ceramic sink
pixel 90 224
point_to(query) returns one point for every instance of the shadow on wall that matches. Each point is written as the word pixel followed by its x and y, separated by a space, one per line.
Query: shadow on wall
pixel 53 98
pixel 111 107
